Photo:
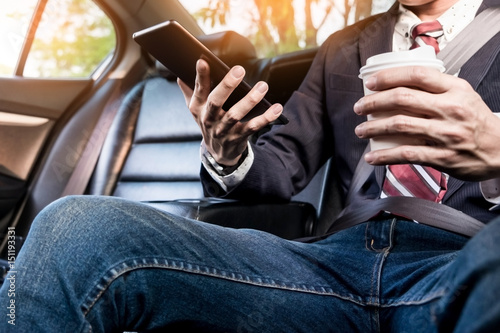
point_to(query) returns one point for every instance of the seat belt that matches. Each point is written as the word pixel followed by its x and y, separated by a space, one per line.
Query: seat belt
pixel 80 177
pixel 470 40
pixel 454 56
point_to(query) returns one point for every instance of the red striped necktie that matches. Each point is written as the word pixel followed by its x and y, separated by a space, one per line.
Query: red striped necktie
pixel 426 33
pixel 415 180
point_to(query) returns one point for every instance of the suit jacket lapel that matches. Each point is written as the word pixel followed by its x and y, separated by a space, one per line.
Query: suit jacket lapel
pixel 374 40
pixel 478 65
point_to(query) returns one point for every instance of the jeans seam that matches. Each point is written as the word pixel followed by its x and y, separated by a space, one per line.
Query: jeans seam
pixel 378 265
pixel 429 298
pixel 400 302
pixel 134 264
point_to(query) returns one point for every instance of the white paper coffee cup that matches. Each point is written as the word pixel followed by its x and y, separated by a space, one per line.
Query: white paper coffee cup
pixel 422 56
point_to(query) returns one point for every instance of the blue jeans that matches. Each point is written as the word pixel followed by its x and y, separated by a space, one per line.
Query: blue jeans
pixel 94 264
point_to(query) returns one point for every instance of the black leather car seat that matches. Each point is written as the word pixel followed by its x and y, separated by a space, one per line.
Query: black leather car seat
pixel 151 151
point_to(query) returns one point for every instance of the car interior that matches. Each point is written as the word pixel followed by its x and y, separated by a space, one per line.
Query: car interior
pixel 125 131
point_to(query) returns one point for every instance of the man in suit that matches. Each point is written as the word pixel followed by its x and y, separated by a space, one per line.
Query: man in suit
pixel 327 118
pixel 387 273
pixel 454 120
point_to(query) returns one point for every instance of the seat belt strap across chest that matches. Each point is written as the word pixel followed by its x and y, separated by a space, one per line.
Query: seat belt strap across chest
pixel 470 40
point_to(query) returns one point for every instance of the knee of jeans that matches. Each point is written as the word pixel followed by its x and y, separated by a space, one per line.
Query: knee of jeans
pixel 59 229
pixel 75 216
pixel 59 212
pixel 96 219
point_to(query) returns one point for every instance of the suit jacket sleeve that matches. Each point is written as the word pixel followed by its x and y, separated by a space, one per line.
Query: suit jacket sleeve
pixel 287 157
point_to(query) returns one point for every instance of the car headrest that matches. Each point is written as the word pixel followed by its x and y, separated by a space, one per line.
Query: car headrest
pixel 231 47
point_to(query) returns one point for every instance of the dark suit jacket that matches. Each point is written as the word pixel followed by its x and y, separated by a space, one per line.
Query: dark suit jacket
pixel 322 120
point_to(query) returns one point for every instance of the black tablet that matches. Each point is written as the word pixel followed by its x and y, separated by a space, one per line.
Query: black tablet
pixel 179 50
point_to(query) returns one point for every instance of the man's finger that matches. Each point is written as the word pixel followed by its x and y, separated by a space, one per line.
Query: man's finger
pixel 420 77
pixel 243 106
pixel 222 91
pixel 423 155
pixel 202 83
pixel 259 122
pixel 400 125
pixel 400 100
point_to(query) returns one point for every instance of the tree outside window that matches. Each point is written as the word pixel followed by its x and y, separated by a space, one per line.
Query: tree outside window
pixel 72 39
pixel 280 26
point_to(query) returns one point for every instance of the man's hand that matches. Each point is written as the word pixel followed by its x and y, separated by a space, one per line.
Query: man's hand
pixel 455 131
pixel 224 135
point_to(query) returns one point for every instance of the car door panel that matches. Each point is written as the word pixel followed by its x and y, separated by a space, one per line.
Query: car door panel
pixel 47 98
pixel 23 136
pixel 29 109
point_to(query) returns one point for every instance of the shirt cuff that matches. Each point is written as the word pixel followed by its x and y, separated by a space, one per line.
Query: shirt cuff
pixel 491 188
pixel 215 170
pixel 491 192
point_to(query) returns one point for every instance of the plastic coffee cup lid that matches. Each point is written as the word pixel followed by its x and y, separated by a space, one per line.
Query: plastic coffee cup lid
pixel 422 56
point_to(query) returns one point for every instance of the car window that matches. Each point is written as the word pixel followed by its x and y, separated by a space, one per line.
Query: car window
pixel 280 26
pixel 14 21
pixel 72 39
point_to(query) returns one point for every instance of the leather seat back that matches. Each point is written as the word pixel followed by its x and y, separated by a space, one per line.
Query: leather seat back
pixel 152 149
